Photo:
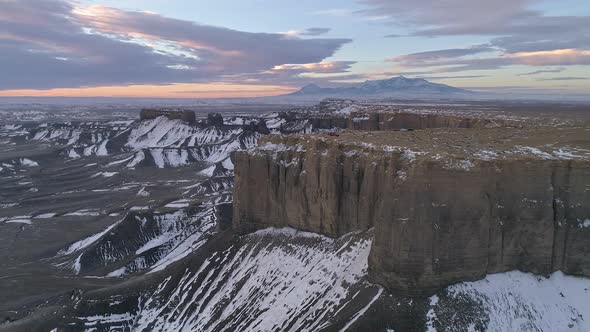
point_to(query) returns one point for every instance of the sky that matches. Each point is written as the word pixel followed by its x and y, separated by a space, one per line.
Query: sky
pixel 247 48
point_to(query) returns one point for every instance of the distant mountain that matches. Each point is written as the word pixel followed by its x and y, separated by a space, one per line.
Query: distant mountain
pixel 393 87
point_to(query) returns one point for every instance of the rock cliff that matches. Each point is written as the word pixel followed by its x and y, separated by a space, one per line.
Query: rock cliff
pixel 396 120
pixel 447 205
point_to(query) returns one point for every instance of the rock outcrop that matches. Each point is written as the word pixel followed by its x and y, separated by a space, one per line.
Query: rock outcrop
pixel 447 205
pixel 258 126
pixel 172 114
pixel 214 120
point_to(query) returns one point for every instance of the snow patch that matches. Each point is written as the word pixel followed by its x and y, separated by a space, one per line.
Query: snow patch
pixel 105 174
pixel 208 171
pixel 486 155
pixel 138 158
pixel 28 162
pixel 117 273
pixel 517 301
pixel 464 164
pixel 85 213
pixel 227 164
pixel 73 154
pixel 45 215
pixel 289 232
pixel 431 314
pixel 363 310
pixel 532 151
pixel 77 246
pixel 182 203
pixel 143 192
pixel 19 221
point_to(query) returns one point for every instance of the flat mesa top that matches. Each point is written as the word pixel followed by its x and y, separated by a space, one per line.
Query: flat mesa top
pixel 547 143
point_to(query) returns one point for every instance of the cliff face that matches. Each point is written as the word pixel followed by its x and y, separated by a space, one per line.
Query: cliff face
pixel 308 185
pixel 439 216
pixel 369 121
pixel 442 225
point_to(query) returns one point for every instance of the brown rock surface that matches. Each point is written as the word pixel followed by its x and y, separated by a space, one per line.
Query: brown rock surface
pixel 152 113
pixel 388 120
pixel 447 204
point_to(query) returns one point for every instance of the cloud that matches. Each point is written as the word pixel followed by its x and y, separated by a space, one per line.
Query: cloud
pixel 570 78
pixel 542 71
pixel 562 91
pixel 452 77
pixel 41 47
pixel 543 33
pixel 449 14
pixel 341 12
pixel 53 44
pixel 307 32
pixel 225 49
pixel 315 31
pixel 519 34
pixel 551 58
pixel 297 74
pixel 514 26
pixel 321 67
pixel 565 57
pixel 424 57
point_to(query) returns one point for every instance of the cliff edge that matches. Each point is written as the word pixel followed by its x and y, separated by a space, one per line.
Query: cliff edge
pixel 446 204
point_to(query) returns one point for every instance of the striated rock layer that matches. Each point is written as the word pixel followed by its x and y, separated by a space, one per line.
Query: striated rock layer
pixel 446 205
pixel 390 120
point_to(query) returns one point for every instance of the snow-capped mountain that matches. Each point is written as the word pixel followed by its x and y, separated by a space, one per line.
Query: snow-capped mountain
pixel 400 87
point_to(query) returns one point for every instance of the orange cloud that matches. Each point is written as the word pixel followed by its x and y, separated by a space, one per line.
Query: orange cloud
pixel 180 90
pixel 316 67
pixel 312 67
pixel 559 57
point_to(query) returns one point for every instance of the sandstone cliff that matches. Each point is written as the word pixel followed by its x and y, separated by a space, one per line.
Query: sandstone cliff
pixel 446 204
pixel 395 120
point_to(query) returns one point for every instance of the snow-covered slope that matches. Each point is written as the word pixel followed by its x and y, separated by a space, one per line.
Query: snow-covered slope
pixel 285 280
pixel 141 241
pixel 513 301
pixel 273 280
pixel 153 236
pixel 159 142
